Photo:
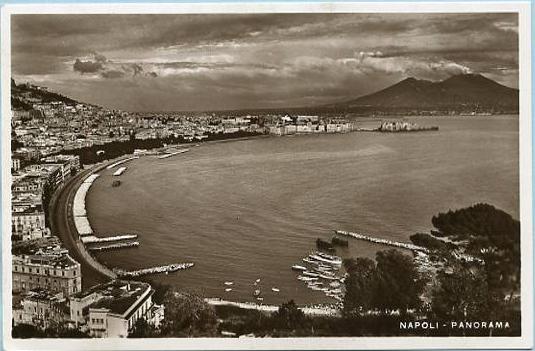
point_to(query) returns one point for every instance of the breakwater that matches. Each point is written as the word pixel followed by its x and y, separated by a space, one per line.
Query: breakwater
pixel 382 241
pixel 153 270
pixel 120 162
pixel 91 239
pixel 173 153
pixel 114 246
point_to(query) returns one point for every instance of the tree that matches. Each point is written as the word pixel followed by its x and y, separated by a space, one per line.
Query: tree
pixel 187 315
pixel 25 331
pixel 289 317
pixel 398 284
pixel 462 294
pixel 428 241
pixel 490 230
pixel 360 284
pixel 142 329
pixel 393 283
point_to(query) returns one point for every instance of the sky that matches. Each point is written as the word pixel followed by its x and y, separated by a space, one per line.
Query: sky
pixel 230 61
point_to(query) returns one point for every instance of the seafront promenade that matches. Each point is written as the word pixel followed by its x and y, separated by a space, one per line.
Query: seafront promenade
pixel 62 225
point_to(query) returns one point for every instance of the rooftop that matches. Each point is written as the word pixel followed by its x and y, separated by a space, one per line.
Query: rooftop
pixel 61 260
pixel 118 295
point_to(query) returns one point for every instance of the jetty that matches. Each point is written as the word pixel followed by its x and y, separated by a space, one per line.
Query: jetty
pixel 173 153
pixel 154 270
pixel 119 171
pixel 91 239
pixel 382 241
pixel 114 246
pixel 120 162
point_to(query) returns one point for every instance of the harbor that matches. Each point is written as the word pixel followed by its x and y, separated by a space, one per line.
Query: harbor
pixel 154 270
pixel 321 273
pixel 372 239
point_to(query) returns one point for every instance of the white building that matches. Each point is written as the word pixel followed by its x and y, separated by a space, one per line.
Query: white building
pixel 112 309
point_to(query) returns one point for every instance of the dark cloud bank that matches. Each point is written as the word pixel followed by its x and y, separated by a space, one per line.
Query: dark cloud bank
pixel 174 62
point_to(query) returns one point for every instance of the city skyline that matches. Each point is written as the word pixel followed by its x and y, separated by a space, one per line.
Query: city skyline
pixel 165 62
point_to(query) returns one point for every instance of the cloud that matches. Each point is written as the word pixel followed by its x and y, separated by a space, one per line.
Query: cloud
pixel 99 57
pixel 86 66
pixel 422 68
pixel 112 74
pixel 247 60
pixel 137 69
pixel 108 69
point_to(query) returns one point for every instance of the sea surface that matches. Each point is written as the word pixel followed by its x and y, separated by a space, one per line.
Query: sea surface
pixel 248 210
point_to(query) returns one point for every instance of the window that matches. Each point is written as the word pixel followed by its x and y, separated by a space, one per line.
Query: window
pixel 16 268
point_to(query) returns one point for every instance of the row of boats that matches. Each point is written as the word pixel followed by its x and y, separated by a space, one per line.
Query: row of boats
pixel 320 273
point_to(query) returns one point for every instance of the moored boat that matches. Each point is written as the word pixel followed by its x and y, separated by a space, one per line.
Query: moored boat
pixel 297 267
pixel 311 274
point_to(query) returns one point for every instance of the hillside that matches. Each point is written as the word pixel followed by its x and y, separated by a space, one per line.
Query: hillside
pixel 23 94
pixel 457 93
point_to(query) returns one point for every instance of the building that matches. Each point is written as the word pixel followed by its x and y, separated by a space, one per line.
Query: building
pixel 40 308
pixel 15 163
pixel 56 273
pixel 112 309
pixel 68 164
pixel 28 221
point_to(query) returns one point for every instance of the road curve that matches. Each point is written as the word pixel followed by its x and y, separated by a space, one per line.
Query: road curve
pixel 62 225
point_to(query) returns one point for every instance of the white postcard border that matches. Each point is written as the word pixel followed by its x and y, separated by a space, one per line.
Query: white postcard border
pixel 315 343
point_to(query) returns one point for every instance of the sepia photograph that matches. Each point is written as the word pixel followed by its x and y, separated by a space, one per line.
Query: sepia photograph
pixel 256 176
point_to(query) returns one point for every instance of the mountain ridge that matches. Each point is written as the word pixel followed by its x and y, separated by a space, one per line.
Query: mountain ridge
pixel 456 92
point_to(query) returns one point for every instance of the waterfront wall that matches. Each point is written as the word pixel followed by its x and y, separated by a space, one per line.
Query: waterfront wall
pixel 79 211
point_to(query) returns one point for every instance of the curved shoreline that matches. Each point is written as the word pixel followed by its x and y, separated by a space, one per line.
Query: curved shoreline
pixel 63 226
pixel 61 211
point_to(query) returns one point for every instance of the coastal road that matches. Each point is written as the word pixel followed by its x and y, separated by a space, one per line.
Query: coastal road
pixel 62 225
